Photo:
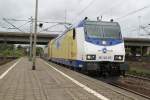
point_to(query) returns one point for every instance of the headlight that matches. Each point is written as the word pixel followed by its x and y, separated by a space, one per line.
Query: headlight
pixel 118 57
pixel 91 57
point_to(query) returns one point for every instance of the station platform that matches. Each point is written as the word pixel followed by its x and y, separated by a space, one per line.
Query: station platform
pixel 52 82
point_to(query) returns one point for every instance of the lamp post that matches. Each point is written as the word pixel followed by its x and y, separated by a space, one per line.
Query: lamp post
pixel 31 30
pixel 35 33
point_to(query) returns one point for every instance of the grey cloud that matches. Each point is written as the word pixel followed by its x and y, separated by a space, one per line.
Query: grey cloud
pixel 54 10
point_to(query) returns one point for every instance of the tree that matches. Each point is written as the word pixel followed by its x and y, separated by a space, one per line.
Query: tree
pixel 39 51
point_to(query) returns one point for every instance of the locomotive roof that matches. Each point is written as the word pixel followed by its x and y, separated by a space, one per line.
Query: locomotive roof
pixel 83 22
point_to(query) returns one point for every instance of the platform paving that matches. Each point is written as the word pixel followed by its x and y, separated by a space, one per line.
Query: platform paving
pixel 22 83
pixel 48 83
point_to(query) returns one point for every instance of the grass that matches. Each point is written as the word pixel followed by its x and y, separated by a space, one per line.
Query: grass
pixel 139 68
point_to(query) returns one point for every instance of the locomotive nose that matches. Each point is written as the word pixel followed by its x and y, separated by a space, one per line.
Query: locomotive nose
pixel 104 50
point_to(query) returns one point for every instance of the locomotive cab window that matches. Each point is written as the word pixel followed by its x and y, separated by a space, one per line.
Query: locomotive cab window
pixel 74 33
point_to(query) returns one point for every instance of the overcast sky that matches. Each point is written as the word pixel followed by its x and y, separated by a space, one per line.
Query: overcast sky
pixel 54 10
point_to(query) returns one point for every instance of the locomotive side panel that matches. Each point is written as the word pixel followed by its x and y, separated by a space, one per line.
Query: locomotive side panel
pixel 50 50
pixel 80 41
pixel 64 48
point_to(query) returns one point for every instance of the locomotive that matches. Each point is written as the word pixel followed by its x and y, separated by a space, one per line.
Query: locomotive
pixel 91 46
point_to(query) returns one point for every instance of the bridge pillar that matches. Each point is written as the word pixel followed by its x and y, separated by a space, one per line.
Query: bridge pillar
pixel 141 51
pixel 146 51
pixel 138 50
pixel 133 51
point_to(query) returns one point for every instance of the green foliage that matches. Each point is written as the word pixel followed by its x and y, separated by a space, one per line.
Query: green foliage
pixel 39 51
pixel 19 53
pixel 143 74
pixel 139 72
pixel 10 50
pixel 5 46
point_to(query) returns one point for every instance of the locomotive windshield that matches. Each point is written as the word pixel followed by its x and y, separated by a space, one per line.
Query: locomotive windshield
pixel 102 30
pixel 111 32
pixel 94 31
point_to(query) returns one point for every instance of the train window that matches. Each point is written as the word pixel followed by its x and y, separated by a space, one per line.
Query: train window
pixel 74 33
pixel 112 32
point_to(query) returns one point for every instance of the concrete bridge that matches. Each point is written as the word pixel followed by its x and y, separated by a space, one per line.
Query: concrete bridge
pixel 137 46
pixel 43 38
pixel 133 45
pixel 137 42
pixel 23 38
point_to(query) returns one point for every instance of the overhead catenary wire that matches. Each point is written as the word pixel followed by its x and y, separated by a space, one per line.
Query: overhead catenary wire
pixel 61 22
pixel 132 12
pixel 90 3
pixel 78 14
pixel 13 25
pixel 24 24
pixel 110 8
pixel 15 19
pixel 135 28
pixel 28 21
pixel 49 27
pixel 2 26
pixel 86 7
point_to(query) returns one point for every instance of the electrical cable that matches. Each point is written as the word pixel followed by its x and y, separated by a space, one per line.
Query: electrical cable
pixel 112 6
pixel 85 8
pixel 131 13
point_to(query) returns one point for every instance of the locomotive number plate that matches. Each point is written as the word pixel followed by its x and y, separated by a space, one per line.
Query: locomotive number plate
pixel 105 57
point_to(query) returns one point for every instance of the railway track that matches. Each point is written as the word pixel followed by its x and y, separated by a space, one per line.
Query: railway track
pixel 113 81
pixel 130 90
pixel 138 77
pixel 4 60
pixel 135 88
